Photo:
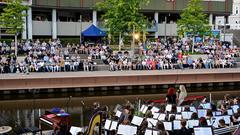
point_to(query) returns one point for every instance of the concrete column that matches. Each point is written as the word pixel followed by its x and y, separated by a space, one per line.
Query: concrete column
pixel 156 22
pixel 94 16
pixel 54 24
pixel 211 20
pixel 24 32
pixel 29 23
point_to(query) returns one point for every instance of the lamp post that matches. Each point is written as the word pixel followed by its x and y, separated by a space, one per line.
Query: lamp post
pixel 224 29
pixel 80 29
pixel 165 30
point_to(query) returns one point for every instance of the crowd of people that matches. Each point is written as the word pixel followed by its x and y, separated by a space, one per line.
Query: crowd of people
pixel 52 56
pixel 182 117
pixel 174 54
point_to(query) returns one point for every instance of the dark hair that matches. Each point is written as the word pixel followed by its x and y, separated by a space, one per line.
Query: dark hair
pixel 221 122
pixel 172 118
pixel 203 121
pixel 209 113
pixel 183 123
pixel 194 116
pixel 160 126
pixel 186 108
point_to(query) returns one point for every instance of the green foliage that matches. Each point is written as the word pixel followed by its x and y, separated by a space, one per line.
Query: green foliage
pixel 121 16
pixel 193 20
pixel 12 16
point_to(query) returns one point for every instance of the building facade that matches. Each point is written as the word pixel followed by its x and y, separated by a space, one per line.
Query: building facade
pixel 61 18
pixel 234 19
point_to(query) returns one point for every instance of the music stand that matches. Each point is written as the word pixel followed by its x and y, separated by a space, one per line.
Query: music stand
pixel 137 120
pixel 203 130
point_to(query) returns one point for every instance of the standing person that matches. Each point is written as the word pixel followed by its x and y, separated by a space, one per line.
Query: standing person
pixel 182 94
pixel 171 96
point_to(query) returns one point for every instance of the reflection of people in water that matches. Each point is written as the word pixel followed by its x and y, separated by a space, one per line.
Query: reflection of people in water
pixel 171 96
pixel 182 94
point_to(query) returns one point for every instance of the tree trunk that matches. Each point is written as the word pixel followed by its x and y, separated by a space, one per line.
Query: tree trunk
pixel 133 42
pixel 16 47
pixel 193 43
pixel 119 43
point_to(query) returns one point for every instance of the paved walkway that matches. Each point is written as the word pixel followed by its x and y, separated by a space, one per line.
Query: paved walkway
pixel 117 73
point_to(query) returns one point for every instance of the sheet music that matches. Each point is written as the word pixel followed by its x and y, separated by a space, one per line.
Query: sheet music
pixel 151 122
pixel 179 109
pixel 215 121
pixel 202 113
pixel 76 130
pixel 137 120
pixel 176 124
pixel 178 117
pixel 206 106
pixel 107 124
pixel 217 113
pixel 227 119
pixel 162 116
pixel 209 122
pixel 118 114
pixel 142 108
pixel 114 125
pixel 145 109
pixel 192 123
pixel 203 131
pixel 235 107
pixel 193 109
pixel 155 109
pixel 151 132
pixel 168 126
pixel 230 112
pixel 127 130
pixel 156 115
pixel 169 108
pixel 187 115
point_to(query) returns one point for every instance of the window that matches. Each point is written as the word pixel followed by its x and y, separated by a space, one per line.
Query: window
pixel 236 10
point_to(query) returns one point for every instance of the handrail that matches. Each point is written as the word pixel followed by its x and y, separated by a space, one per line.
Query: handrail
pixel 225 130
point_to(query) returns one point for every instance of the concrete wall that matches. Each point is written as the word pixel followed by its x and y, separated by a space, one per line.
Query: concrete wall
pixel 44 28
pixel 171 29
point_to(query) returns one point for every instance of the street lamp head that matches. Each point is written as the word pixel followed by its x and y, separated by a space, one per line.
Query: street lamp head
pixel 136 36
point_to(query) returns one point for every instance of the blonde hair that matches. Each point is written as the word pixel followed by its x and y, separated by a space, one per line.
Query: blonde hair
pixel 182 89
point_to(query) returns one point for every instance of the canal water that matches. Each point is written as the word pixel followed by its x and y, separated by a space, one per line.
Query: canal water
pixel 20 111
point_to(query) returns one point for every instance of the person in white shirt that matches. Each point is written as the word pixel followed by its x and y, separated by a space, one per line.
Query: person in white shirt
pixel 182 94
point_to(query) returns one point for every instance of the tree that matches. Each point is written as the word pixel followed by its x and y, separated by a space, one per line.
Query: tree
pixel 193 21
pixel 12 18
pixel 123 16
